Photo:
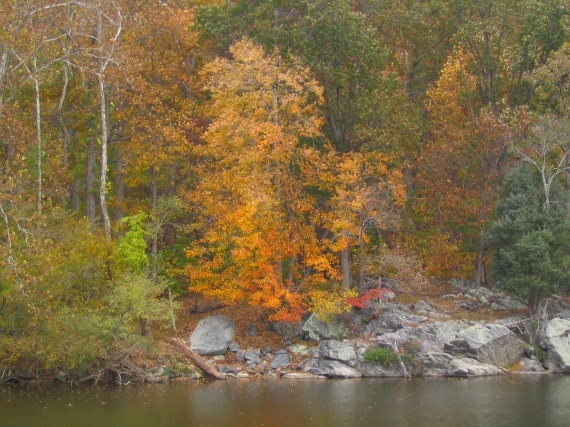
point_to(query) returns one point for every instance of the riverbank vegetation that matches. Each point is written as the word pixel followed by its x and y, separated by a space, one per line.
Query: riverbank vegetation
pixel 286 154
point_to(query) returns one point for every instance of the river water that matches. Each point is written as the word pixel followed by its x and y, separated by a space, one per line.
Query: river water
pixel 510 400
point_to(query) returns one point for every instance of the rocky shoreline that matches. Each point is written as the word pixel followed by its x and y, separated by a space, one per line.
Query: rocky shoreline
pixel 389 339
pixel 384 339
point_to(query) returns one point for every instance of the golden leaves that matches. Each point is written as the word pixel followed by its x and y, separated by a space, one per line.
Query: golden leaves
pixel 258 208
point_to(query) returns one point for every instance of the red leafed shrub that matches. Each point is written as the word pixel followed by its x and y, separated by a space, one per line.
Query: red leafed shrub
pixel 360 302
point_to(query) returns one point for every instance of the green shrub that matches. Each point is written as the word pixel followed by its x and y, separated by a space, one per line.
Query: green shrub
pixel 381 355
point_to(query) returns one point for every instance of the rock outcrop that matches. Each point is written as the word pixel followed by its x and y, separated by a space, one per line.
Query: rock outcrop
pixel 488 343
pixel 443 364
pixel 337 350
pixel 330 369
pixel 556 340
pixel 455 348
pixel 318 330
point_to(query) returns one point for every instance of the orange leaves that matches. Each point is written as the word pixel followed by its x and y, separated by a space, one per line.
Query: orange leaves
pixel 459 170
pixel 259 239
pixel 154 108
pixel 447 259
pixel 263 90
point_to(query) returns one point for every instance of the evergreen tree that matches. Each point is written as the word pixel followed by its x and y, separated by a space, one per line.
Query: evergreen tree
pixel 530 238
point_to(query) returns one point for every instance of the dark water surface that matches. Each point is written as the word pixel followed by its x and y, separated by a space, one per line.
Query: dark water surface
pixel 491 401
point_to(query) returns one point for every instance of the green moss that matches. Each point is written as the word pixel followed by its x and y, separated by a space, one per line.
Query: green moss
pixel 540 353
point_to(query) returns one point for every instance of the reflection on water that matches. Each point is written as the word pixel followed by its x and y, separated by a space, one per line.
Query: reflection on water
pixel 490 402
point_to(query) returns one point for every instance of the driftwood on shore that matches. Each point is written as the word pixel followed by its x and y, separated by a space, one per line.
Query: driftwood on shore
pixel 196 359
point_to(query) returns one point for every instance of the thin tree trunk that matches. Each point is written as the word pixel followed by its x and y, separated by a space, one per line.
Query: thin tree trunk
pixel 104 157
pixel 481 276
pixel 66 135
pixel 531 304
pixel 345 267
pixel 104 118
pixel 39 139
pixel 60 118
pixel 90 181
pixel 4 65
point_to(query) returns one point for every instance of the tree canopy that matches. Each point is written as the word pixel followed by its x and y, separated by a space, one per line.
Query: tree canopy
pixel 279 153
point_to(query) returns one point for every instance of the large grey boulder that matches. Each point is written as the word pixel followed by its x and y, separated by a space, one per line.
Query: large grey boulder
pixel 443 364
pixel 213 335
pixel 330 369
pixel 556 340
pixel 488 343
pixel 337 350
pixel 317 329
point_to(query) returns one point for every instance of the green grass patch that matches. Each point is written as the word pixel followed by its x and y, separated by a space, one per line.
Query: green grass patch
pixel 381 355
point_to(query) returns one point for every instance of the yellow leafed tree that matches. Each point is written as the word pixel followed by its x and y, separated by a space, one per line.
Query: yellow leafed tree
pixel 257 242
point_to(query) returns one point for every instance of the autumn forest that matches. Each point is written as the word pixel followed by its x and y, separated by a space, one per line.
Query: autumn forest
pixel 281 153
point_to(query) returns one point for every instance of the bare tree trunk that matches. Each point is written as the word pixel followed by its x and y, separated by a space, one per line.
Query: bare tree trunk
pixel 90 181
pixel 481 275
pixel 104 157
pixel 39 137
pixel 60 118
pixel 4 66
pixel 531 304
pixel 345 267
pixel 105 55
pixel 74 205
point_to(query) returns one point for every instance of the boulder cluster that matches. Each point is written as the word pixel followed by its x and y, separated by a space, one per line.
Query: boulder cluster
pixel 394 341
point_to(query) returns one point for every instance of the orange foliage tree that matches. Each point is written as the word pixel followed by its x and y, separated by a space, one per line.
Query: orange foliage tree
pixel 155 102
pixel 460 169
pixel 366 196
pixel 257 241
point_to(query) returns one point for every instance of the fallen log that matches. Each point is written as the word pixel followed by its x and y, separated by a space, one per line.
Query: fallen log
pixel 197 360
